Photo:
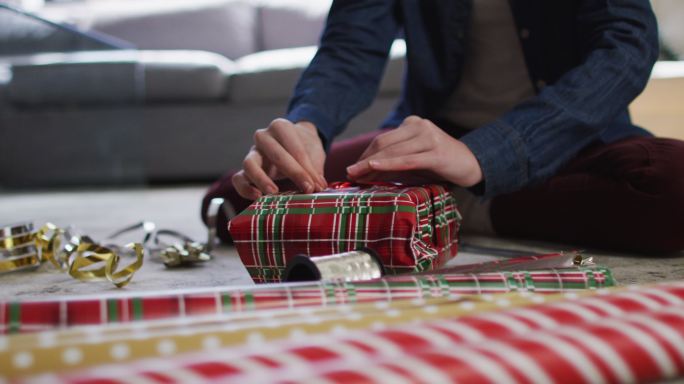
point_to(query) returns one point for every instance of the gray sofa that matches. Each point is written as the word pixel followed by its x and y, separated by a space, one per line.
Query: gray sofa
pixel 185 104
pixel 163 112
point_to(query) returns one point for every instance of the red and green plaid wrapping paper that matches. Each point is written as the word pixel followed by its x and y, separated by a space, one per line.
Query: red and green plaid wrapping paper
pixel 40 315
pixel 411 228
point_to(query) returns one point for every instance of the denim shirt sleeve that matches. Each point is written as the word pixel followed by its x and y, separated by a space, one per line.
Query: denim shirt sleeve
pixel 532 141
pixel 344 75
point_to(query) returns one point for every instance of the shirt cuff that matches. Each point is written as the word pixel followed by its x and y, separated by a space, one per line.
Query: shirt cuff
pixel 502 155
pixel 310 113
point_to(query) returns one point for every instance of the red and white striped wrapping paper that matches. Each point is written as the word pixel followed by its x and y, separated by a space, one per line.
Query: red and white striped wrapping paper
pixel 632 335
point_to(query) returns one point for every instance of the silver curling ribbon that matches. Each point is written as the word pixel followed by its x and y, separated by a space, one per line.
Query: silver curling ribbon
pixel 361 264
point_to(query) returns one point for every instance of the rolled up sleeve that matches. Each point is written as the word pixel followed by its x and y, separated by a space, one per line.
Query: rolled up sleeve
pixel 532 141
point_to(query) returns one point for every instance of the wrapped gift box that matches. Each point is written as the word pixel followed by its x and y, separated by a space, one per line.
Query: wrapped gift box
pixel 410 228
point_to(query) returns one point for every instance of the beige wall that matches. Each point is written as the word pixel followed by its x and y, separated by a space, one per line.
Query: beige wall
pixel 660 108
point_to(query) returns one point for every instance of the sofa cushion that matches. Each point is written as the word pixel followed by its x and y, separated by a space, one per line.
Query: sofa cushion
pixel 302 19
pixel 227 27
pixel 272 75
pixel 118 77
pixel 268 75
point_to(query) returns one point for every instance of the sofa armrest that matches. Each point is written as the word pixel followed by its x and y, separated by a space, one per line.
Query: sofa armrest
pixel 123 77
pixel 5 76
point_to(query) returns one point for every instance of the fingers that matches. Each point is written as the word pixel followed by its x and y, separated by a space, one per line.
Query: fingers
pixel 282 132
pixel 284 149
pixel 255 174
pixel 408 129
pixel 251 182
pixel 269 147
pixel 402 163
pixel 244 187
pixel 371 168
pixel 415 144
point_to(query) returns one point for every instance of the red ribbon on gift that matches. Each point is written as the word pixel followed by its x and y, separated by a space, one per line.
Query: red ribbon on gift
pixel 350 184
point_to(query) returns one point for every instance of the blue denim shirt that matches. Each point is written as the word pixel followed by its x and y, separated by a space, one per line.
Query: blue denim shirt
pixel 587 58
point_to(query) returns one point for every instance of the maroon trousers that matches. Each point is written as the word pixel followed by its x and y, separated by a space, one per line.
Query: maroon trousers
pixel 628 195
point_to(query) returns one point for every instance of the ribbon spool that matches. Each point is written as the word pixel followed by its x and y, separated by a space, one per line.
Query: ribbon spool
pixel 361 264
pixel 106 264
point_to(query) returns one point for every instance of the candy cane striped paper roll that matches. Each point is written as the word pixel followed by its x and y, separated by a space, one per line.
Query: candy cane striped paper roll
pixel 146 339
pixel 645 348
pixel 30 315
pixel 626 336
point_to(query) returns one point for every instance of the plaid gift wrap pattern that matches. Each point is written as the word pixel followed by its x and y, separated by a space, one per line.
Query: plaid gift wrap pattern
pixel 411 228
pixel 619 336
pixel 21 316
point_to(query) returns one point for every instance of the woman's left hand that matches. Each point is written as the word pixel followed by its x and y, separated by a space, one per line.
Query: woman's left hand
pixel 417 145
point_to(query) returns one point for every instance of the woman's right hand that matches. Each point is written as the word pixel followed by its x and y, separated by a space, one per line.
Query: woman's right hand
pixel 283 150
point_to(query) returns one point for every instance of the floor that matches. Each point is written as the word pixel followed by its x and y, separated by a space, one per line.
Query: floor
pixel 99 213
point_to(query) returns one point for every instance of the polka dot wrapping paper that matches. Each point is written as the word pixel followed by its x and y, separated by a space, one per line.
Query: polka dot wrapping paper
pixel 412 229
pixel 631 334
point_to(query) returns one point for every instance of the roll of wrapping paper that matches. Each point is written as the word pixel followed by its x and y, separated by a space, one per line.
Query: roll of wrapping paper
pixel 571 332
pixel 551 260
pixel 93 348
pixel 82 347
pixel 37 315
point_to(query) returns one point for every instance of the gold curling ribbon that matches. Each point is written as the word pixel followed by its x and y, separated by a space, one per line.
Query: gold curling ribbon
pixel 11 242
pixel 31 260
pixel 17 250
pixel 80 256
pixel 87 255
pixel 48 240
